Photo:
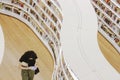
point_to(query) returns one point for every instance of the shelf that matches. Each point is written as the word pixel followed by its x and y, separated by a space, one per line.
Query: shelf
pixel 105 22
pixel 110 20
pixel 44 3
pixel 51 10
pixel 60 71
pixel 58 8
pixel 106 14
pixel 49 19
pixel 36 20
pixel 55 8
pixel 116 3
pixel 47 15
pixel 30 26
pixel 66 69
pixel 110 40
pixel 26 22
pixel 57 4
pixel 109 27
pixel 110 8
pixel 46 25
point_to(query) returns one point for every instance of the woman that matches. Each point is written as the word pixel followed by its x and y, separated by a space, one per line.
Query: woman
pixel 28 65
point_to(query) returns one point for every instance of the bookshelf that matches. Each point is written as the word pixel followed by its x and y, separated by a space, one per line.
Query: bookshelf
pixel 108 14
pixel 62 70
pixel 44 18
pixel 28 15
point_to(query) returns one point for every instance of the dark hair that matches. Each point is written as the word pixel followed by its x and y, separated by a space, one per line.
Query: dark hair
pixel 30 51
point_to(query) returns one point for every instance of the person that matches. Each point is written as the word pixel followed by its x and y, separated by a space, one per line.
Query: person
pixel 28 65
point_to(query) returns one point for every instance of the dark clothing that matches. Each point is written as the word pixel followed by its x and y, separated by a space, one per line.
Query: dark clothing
pixel 29 57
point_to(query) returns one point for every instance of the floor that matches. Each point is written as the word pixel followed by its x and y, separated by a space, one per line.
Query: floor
pixel 18 39
pixel 110 53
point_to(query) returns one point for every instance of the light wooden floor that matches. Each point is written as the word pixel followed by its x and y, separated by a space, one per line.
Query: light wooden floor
pixel 18 39
pixel 109 52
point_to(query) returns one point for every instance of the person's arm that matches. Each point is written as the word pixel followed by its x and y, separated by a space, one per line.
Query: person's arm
pixel 23 65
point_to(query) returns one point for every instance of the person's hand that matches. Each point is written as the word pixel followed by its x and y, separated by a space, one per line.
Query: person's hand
pixel 33 68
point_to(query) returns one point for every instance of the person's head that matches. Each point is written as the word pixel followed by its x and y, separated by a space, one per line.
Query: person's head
pixel 30 51
pixel 31 54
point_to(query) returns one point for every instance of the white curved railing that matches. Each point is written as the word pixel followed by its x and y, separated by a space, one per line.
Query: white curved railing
pixel 56 2
pixel 1 44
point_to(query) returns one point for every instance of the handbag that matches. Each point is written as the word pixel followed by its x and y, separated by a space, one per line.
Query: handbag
pixel 37 70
